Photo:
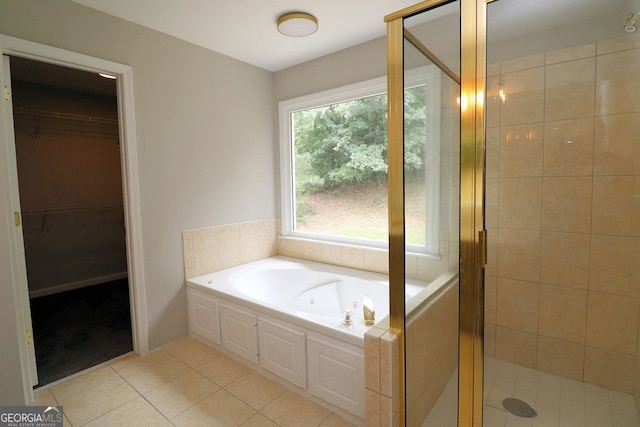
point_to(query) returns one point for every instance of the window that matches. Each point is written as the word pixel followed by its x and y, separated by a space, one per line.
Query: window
pixel 334 164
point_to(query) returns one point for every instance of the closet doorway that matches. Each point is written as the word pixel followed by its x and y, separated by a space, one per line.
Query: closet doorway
pixel 73 218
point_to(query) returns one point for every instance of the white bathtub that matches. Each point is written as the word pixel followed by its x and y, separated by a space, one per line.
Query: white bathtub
pixel 285 317
pixel 310 294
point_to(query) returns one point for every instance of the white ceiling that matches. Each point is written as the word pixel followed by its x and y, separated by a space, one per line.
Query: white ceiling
pixel 246 29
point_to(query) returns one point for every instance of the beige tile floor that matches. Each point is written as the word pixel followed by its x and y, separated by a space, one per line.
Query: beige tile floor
pixel 184 383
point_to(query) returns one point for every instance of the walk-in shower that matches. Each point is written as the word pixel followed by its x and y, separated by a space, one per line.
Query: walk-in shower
pixel 555 187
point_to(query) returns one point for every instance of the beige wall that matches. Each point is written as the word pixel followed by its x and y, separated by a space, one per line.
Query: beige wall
pixel 204 127
pixel 12 391
pixel 357 64
pixel 562 212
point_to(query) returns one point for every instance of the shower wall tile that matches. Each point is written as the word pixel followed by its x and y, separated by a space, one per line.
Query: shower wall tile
pixel 490 339
pixel 618 91
pixel 567 204
pixel 493 152
pixel 493 70
pixel 524 92
pixel 516 346
pixel 570 54
pixel 560 358
pixel 490 298
pixel 568 147
pixel 521 151
pixel 520 203
pixel 617 151
pixel 607 369
pixel 523 63
pixel 616 205
pixel 612 322
pixel 570 90
pixel 564 259
pixel 585 255
pixel 519 254
pixel 494 101
pixel 492 190
pixel 517 305
pixel 563 313
pixel 491 269
pixel 618 44
pixel 615 265
pixel 492 212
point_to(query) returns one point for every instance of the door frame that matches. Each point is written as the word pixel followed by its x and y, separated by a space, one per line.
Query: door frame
pixel 130 187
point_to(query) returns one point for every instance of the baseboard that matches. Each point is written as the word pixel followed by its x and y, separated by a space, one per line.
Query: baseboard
pixel 77 285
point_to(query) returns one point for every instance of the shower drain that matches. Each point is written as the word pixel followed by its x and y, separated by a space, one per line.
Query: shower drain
pixel 519 408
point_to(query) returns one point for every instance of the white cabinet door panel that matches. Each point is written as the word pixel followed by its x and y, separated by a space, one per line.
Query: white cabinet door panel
pixel 283 351
pixel 239 332
pixel 203 316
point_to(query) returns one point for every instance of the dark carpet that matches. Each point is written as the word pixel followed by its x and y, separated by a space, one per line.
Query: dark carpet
pixel 78 329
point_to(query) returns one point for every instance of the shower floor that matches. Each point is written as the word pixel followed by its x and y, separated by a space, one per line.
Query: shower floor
pixel 559 402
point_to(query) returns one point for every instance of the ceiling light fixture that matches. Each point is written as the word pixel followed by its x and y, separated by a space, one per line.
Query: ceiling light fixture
pixel 297 24
pixel 107 76
pixel 631 26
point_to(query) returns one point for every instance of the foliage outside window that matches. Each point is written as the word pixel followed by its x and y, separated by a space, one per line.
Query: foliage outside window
pixel 334 165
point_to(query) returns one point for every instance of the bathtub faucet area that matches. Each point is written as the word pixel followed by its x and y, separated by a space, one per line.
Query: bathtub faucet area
pixel 346 318
pixel 369 310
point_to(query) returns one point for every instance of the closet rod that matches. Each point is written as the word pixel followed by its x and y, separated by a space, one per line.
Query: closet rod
pixel 59 115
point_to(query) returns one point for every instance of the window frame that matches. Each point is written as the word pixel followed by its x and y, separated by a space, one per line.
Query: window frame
pixel 426 75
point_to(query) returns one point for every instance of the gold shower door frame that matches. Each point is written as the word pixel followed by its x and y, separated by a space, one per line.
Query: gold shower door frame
pixel 472 231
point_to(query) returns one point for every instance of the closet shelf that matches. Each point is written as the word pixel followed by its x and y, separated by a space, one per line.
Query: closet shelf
pixel 71 210
pixel 66 116
pixel 33 122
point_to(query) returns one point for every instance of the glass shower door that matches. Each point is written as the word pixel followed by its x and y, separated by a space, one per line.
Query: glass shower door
pixel 435 149
pixel 432 134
